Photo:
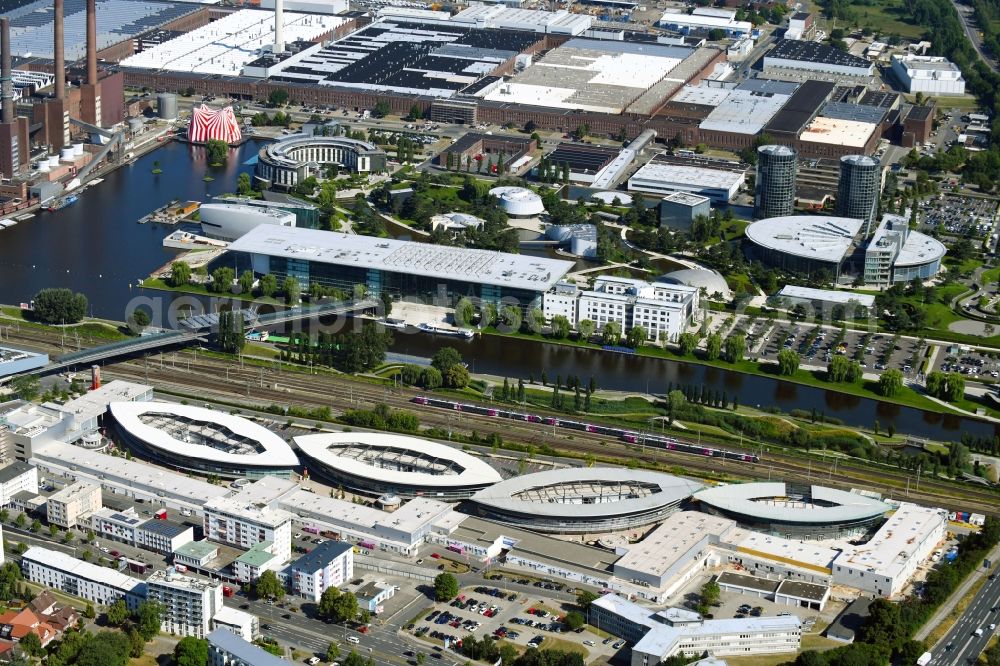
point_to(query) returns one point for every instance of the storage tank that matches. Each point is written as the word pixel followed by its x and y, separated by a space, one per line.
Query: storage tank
pixel 66 154
pixel 166 106
pixel 43 166
pixel 134 125
pixel 78 149
pixel 53 161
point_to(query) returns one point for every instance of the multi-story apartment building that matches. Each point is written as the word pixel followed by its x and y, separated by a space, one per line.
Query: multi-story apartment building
pixel 328 565
pixel 92 582
pixel 189 604
pixel 242 521
pixel 74 503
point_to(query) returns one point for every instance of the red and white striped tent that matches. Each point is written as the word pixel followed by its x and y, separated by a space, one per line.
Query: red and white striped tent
pixel 208 123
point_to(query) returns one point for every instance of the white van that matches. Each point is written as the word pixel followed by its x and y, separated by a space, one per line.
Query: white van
pixel 353 639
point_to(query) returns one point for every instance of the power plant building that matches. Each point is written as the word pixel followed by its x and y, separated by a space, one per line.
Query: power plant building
pixel 774 189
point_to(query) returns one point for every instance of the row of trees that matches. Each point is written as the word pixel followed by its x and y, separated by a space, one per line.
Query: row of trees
pixel 948 386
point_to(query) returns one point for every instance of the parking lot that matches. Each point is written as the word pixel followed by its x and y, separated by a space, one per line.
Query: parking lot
pixel 817 345
pixel 522 619
pixel 971 363
pixel 969 217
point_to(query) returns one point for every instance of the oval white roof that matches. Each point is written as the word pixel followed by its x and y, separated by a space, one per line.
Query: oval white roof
pixel 540 494
pixel 769 501
pixel 383 457
pixel 205 434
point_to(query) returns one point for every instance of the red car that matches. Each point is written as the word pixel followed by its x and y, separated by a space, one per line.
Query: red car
pixel 436 556
pixel 363 629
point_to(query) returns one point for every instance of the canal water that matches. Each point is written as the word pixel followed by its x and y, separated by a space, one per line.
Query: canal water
pixel 625 372
pixel 98 247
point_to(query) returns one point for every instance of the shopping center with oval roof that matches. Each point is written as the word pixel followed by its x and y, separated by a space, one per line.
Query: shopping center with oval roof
pixel 794 511
pixel 381 463
pixel 201 440
pixel 577 500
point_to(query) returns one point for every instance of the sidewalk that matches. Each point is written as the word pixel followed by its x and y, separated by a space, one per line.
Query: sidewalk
pixel 956 596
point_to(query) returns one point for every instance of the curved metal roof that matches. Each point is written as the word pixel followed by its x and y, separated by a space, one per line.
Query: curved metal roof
pixel 667 490
pixel 810 236
pixel 457 468
pixel 752 499
pixel 202 426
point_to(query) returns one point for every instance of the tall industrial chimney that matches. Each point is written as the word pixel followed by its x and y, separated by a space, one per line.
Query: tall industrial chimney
pixel 6 83
pixel 279 22
pixel 58 51
pixel 92 42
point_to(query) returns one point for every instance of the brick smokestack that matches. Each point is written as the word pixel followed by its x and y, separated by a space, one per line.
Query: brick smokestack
pixel 6 84
pixel 59 51
pixel 92 42
pixel 279 23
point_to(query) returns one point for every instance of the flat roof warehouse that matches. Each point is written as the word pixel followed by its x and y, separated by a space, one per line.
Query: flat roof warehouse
pixel 406 257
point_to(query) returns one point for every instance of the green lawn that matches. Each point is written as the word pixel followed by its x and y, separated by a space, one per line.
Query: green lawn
pixel 886 17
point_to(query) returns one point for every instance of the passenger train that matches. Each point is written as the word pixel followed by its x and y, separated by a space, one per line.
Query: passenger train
pixel 630 436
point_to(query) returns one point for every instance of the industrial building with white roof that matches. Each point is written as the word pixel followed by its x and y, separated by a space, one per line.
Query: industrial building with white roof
pixel 225 46
pixel 399 268
pixel 665 178
pixel 202 440
pixel 383 463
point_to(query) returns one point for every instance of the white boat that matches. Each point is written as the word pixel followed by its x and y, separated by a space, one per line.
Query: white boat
pixel 454 332
pixel 25 217
pixel 8 223
pixel 395 323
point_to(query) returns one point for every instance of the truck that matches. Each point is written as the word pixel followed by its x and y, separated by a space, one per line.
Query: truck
pixel 227 591
pixel 161 514
pixel 924 659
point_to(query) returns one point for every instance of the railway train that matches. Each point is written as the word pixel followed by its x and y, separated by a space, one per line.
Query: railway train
pixel 630 436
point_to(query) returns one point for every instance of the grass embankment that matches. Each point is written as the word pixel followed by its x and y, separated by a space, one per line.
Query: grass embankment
pixel 203 290
pixel 88 329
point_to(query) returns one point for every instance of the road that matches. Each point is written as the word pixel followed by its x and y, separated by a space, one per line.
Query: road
pixel 965 15
pixel 960 645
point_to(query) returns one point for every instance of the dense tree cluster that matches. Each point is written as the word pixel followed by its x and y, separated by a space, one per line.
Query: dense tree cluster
pixel 59 306
pixel 381 417
pixel 350 351
pixel 946 385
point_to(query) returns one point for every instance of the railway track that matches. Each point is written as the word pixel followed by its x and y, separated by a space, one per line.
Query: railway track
pixel 190 374
pixel 187 372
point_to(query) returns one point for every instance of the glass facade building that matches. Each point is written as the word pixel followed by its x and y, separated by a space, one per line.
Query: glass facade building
pixel 774 190
pixel 858 189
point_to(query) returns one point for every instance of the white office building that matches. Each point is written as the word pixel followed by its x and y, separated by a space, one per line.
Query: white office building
pixel 189 604
pixel 663 310
pixel 229 221
pixel 163 536
pixel 73 504
pixel 243 521
pixel 249 566
pixel 931 75
pixel 17 477
pixel 886 563
pixel 92 582
pixel 244 625
pixel 227 649
pixel 328 565
pixel 657 635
